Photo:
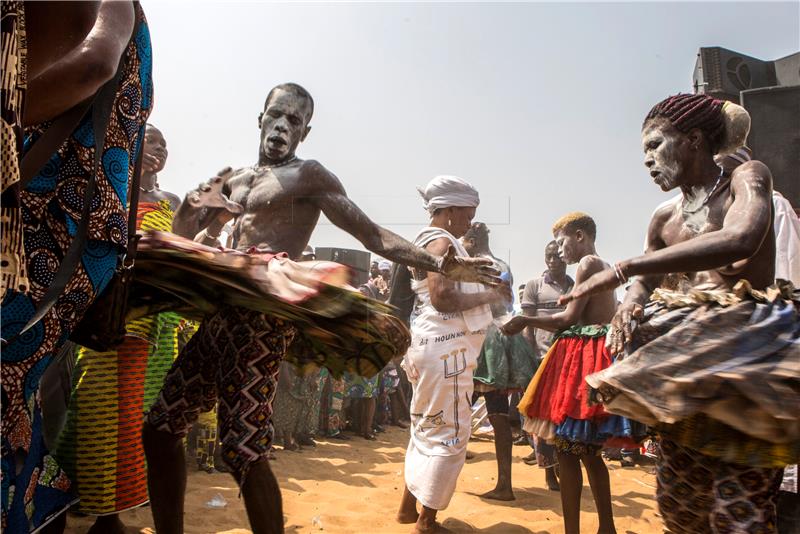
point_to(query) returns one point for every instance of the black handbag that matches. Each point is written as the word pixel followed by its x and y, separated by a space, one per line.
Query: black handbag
pixel 103 325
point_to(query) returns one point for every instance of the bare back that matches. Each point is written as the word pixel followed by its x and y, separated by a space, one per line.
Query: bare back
pixel 598 308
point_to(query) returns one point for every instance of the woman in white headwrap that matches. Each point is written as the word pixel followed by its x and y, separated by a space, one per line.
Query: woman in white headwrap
pixel 447 327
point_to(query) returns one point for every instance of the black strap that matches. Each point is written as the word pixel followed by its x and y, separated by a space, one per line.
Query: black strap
pixel 101 112
pixel 133 205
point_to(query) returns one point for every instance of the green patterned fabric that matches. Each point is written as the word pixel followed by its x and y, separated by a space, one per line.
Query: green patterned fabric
pixel 586 330
pixel 505 362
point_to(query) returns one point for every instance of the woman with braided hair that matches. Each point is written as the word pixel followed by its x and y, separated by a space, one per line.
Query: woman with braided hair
pixel 712 368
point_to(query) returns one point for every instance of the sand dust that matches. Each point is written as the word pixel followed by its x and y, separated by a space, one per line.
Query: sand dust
pixel 355 487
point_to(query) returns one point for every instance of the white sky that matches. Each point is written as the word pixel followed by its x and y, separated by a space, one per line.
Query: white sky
pixel 538 105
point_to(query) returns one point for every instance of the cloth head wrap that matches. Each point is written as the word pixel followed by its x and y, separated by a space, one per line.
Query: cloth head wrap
pixel 384 265
pixel 448 192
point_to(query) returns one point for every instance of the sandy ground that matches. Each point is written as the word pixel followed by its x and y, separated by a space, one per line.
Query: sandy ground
pixel 355 487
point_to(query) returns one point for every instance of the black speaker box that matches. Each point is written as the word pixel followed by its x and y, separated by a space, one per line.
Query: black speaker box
pixel 775 135
pixel 357 260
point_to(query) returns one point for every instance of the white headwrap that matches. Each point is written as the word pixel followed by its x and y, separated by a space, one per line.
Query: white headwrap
pixel 448 192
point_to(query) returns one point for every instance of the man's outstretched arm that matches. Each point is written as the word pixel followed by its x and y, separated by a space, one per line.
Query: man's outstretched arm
pixel 743 231
pixel 345 214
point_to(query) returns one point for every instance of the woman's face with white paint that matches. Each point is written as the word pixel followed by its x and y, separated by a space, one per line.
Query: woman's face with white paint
pixel 665 152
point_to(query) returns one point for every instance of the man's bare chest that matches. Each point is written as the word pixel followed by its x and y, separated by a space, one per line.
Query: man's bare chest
pixel 257 190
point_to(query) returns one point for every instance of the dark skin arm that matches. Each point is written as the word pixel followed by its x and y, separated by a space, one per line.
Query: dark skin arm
pixel 208 206
pixel 563 319
pixel 344 213
pixel 743 231
pixel 446 297
pixel 59 79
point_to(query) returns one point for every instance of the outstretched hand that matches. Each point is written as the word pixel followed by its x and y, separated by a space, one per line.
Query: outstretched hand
pixel 605 280
pixel 210 195
pixel 464 269
pixel 622 326
pixel 515 325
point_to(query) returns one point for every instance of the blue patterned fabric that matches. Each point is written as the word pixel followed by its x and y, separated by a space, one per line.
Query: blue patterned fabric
pixel 34 488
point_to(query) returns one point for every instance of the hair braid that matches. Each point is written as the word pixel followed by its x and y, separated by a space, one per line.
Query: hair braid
pixel 686 112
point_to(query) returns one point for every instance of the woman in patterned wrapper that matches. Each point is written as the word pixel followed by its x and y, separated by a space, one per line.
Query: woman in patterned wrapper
pixel 447 329
pixel 110 390
pixel 65 64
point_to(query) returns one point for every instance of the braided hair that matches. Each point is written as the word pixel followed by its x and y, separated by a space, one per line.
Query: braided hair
pixel 686 112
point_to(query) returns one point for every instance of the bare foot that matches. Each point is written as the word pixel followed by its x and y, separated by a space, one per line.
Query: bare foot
pixel 107 524
pixel 499 494
pixel 551 479
pixel 407 518
pixel 435 528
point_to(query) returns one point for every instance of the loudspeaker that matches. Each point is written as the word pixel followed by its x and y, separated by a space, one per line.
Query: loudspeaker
pixel 775 135
pixel 723 73
pixel 357 260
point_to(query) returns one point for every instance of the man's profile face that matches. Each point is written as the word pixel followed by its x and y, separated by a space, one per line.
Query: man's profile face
pixel 568 245
pixel 553 260
pixel 665 153
pixel 284 124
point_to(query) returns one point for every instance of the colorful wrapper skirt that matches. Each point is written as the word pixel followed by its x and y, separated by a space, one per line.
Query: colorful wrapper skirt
pixel 100 447
pixel 556 403
pixel 717 372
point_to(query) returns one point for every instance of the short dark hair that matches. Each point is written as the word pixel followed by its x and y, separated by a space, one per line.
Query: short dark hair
pixel 293 88
pixel 685 112
pixel 552 243
pixel 577 220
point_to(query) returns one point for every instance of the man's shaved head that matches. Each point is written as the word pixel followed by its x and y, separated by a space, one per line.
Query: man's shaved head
pixel 295 89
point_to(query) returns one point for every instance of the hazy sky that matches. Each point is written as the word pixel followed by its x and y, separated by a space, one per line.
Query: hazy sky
pixel 538 105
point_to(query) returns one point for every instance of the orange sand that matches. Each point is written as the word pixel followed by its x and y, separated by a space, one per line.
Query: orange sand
pixel 355 487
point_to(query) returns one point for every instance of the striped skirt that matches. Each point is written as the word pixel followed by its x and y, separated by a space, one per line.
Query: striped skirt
pixel 100 447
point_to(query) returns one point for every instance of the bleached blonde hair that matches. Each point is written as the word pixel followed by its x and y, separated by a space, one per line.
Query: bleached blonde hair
pixel 576 220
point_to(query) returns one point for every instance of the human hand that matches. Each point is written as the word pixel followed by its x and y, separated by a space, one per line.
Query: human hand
pixel 515 325
pixel 381 284
pixel 622 325
pixel 604 280
pixel 210 195
pixel 464 269
pixel 152 163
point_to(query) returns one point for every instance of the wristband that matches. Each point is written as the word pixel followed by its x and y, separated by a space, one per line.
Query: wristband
pixel 213 237
pixel 620 274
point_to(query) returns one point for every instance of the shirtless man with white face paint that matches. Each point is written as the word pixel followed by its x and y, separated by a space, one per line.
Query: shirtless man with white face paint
pixel 277 204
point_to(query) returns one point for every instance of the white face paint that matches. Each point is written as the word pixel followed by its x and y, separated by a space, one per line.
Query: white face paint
pixel 663 146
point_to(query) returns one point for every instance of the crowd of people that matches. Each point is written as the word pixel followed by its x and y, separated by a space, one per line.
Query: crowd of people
pixel 700 358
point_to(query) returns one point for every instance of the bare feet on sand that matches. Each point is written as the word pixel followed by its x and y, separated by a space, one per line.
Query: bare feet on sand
pixel 108 524
pixel 499 494
pixel 407 518
pixel 434 528
pixel 552 479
